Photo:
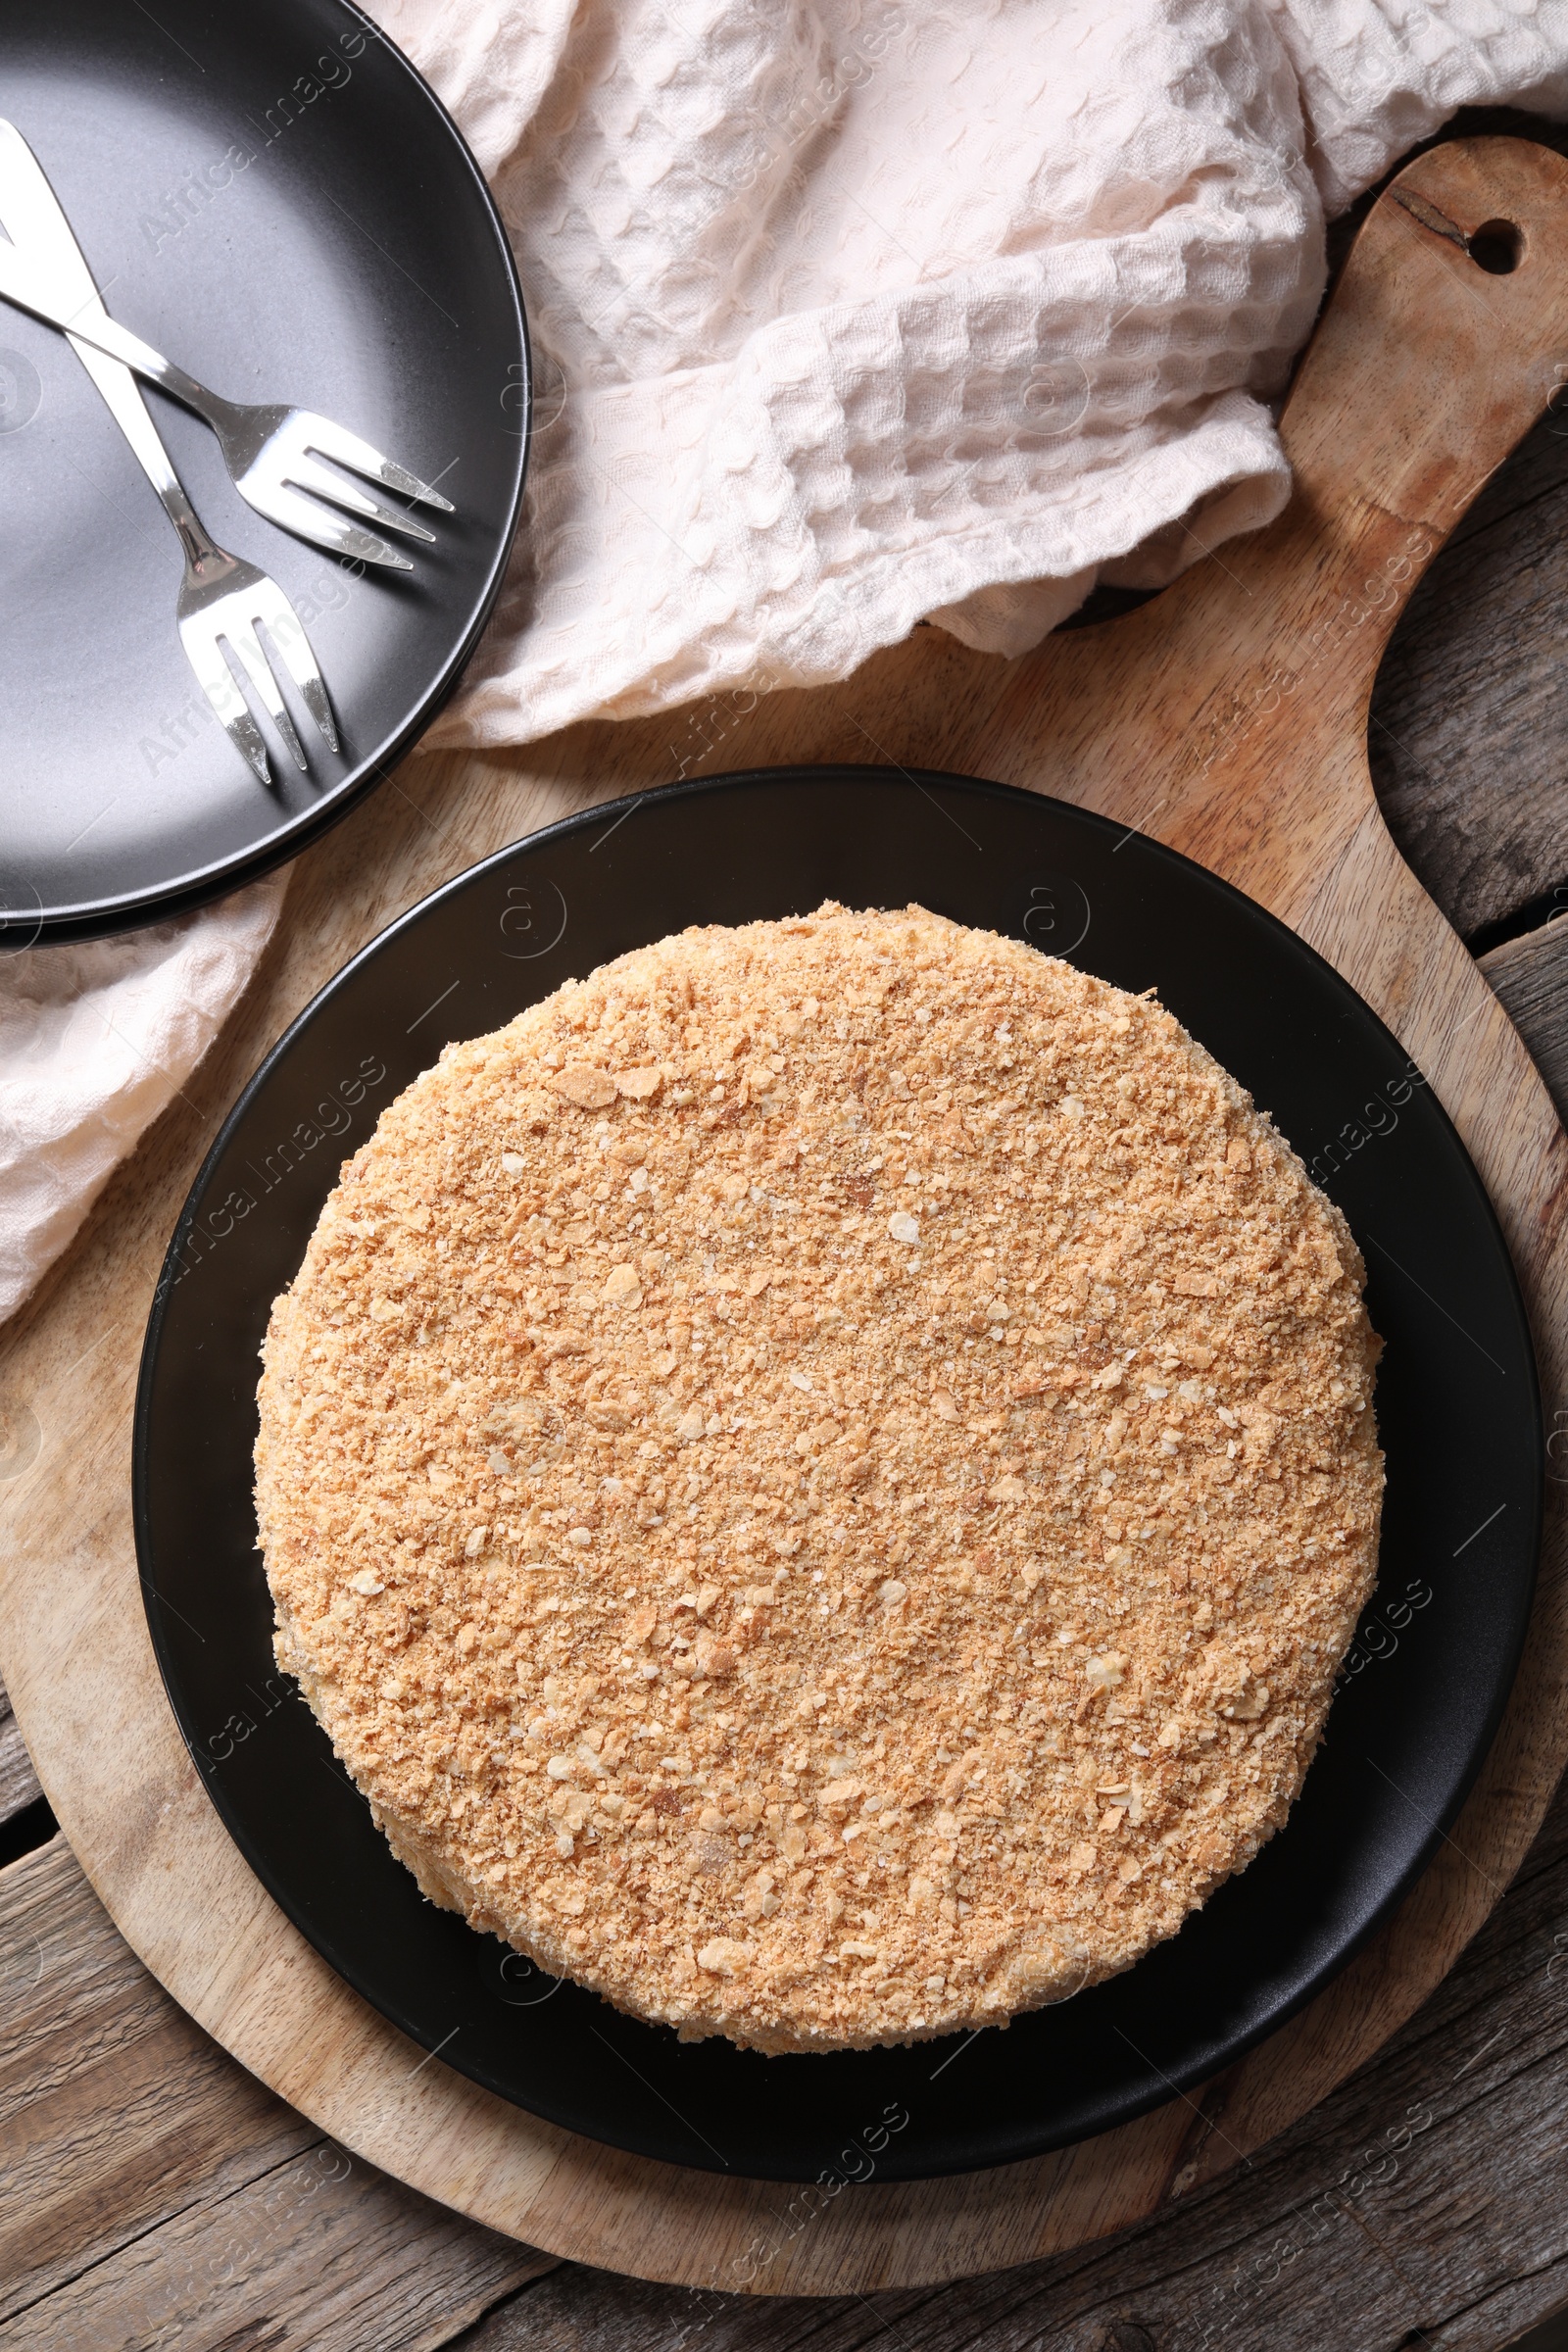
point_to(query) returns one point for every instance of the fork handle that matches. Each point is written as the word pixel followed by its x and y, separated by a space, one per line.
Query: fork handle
pixel 21 282
pixel 107 335
pixel 129 412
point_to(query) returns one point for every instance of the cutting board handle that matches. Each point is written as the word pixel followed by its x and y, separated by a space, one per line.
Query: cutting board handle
pixel 1446 338
pixel 1229 715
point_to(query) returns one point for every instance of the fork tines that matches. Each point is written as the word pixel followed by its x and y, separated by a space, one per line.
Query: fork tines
pixel 287 480
pixel 221 629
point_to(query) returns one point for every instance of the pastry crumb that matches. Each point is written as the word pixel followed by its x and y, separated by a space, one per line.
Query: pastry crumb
pixel 819 1479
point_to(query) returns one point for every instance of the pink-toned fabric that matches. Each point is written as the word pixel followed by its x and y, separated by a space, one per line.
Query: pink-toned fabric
pixel 94 1042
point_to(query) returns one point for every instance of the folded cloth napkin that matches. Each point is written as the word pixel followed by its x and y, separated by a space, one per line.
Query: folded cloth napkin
pixel 854 312
pixel 848 313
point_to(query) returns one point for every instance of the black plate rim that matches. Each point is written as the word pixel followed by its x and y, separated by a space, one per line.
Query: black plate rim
pixel 103 918
pixel 1183 2079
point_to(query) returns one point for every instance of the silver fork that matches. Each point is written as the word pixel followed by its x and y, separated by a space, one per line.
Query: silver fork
pixel 272 452
pixel 222 600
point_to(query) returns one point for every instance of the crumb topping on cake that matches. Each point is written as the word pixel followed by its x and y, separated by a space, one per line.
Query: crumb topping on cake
pixel 819 1479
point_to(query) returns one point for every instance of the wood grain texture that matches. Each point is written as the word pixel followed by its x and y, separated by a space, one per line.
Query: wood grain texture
pixel 1229 717
pixel 1468 702
pixel 19 1782
pixel 1531 978
pixel 1472 703
pixel 154 2192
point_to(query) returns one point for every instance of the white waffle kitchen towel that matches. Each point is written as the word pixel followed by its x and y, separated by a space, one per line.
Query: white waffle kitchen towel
pixel 95 1041
pixel 854 312
pixel 848 313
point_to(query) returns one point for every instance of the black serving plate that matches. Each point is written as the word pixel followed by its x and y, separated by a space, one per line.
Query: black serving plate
pixel 274 197
pixel 1457 1408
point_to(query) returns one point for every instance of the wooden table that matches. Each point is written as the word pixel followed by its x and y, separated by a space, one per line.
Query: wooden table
pixel 151 2192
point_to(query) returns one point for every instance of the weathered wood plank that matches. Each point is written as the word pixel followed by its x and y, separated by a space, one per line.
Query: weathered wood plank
pixel 1550 2336
pixel 19 1782
pixel 1468 740
pixel 1531 976
pixel 152 2189
pixel 1423 2205
pixel 115 2111
pixel 323 2254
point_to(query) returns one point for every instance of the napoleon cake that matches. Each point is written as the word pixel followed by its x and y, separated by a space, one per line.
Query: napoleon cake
pixel 819 1479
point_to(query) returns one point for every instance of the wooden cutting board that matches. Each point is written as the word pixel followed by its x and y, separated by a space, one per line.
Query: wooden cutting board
pixel 1229 717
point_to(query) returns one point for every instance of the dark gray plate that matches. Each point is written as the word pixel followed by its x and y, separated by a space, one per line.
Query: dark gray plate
pixel 1458 1410
pixel 274 197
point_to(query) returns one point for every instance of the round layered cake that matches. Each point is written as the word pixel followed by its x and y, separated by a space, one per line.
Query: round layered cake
pixel 818 1481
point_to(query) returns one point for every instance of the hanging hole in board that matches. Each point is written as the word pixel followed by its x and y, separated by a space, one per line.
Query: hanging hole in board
pixel 1496 246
